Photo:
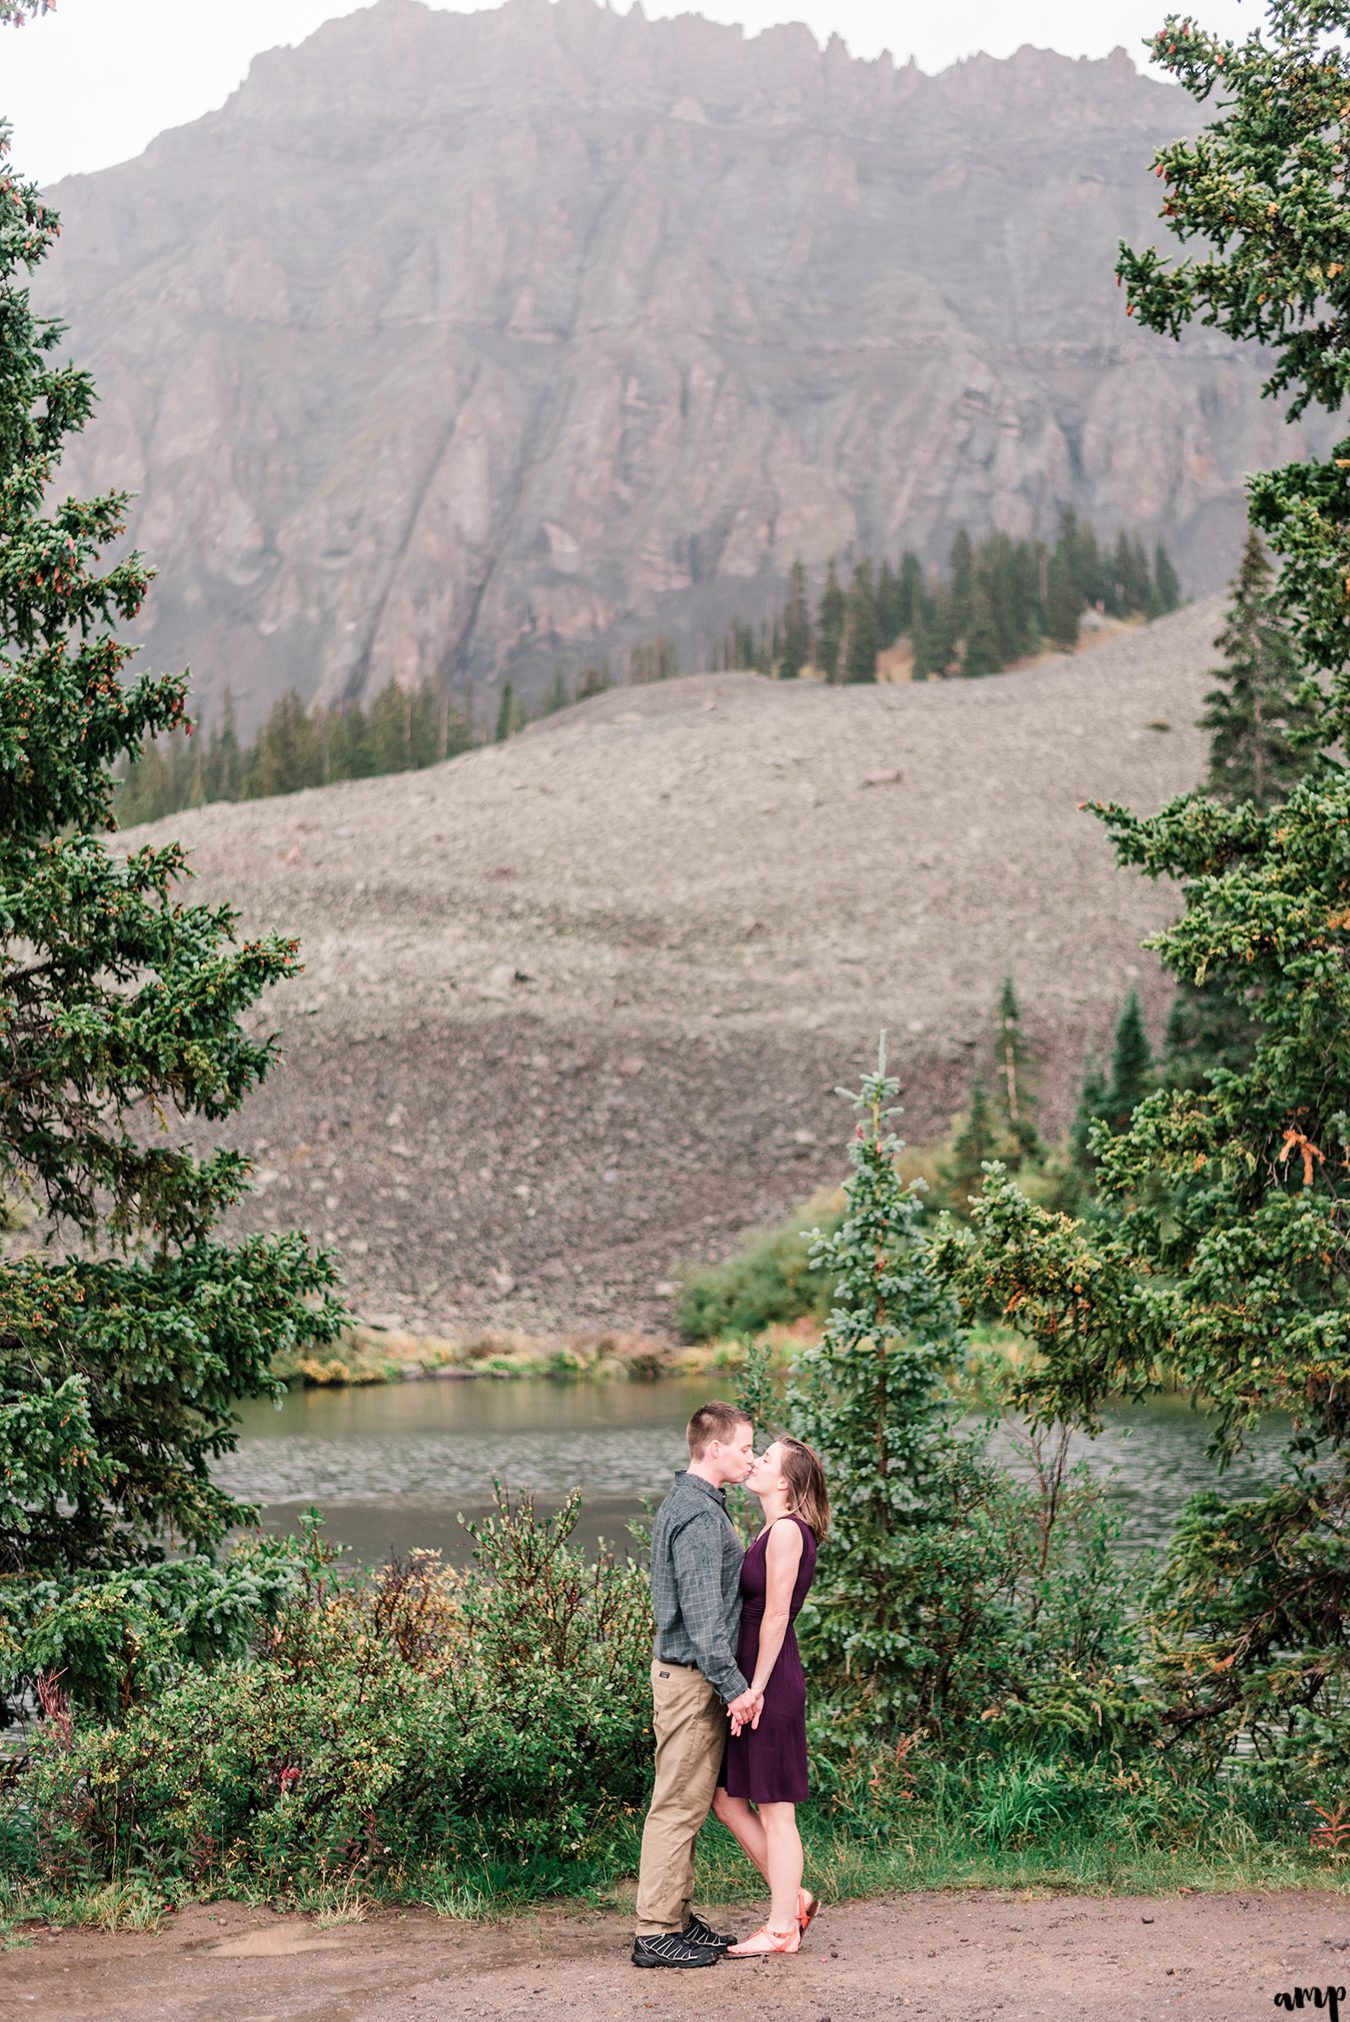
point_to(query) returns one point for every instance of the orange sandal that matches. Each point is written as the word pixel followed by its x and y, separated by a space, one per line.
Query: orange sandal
pixel 764 1941
pixel 807 1906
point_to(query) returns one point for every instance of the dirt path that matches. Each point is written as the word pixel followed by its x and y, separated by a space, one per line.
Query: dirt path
pixel 940 1958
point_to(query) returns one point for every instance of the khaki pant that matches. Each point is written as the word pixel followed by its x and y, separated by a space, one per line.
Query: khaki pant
pixel 690 1721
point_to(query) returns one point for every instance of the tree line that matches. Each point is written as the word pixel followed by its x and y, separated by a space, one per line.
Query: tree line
pixel 999 601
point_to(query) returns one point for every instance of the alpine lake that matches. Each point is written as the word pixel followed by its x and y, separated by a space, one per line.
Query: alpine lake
pixel 392 1467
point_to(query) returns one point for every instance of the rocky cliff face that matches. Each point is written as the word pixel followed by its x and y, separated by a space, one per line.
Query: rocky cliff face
pixel 466 345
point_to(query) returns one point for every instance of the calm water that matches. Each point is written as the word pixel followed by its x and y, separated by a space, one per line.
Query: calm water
pixel 396 1465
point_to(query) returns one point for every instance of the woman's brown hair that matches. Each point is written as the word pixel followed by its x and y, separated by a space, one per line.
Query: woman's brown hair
pixel 805 1477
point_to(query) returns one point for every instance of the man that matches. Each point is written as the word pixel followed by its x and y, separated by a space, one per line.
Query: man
pixel 696 1686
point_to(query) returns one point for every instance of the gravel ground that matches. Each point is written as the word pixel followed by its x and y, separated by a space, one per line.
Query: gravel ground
pixel 967 1958
pixel 575 1006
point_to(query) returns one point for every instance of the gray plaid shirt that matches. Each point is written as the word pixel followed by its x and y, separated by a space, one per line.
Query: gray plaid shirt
pixel 696 1582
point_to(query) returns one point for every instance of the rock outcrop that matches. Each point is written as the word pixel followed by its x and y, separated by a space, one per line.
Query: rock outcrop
pixel 458 345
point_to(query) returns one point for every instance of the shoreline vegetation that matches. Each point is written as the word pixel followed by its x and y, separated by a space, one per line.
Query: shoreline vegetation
pixel 373 1355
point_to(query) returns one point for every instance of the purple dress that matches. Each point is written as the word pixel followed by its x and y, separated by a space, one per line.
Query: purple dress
pixel 767 1763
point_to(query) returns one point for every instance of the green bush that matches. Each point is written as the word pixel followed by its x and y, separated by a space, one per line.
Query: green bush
pixel 382 1725
pixel 771 1280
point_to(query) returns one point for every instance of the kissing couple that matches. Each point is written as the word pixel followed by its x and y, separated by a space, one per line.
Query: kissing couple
pixel 729 1698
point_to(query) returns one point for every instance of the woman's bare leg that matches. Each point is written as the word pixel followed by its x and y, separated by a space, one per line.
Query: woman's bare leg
pixel 783 1847
pixel 745 1827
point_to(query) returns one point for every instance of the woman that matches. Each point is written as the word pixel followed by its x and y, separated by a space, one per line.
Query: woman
pixel 764 1775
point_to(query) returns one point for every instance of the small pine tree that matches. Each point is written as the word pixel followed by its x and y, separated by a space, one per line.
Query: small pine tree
pixel 1093 1101
pixel 871 1400
pixel 794 649
pixel 862 634
pixel 1257 714
pixel 981 654
pixel 830 624
pixel 558 697
pixel 910 595
pixel 888 604
pixel 1063 603
pixel 961 581
pixel 506 716
pixel 1131 1065
pixel 1015 1074
pixel 1166 584
pixel 976 1137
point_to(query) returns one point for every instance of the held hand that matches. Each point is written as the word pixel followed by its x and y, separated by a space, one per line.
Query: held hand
pixel 743 1709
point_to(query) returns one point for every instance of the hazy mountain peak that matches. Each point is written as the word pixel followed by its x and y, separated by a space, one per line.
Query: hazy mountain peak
pixel 464 344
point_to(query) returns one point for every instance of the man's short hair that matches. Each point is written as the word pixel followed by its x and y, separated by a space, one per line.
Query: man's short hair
pixel 714 1421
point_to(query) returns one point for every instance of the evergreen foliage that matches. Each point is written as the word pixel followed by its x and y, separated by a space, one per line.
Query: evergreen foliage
pixel 1222 1253
pixel 871 1399
pixel 1166 584
pixel 1000 600
pixel 1015 1073
pixel 795 649
pixel 983 653
pixel 862 631
pixel 507 723
pixel 295 748
pixel 1131 1065
pixel 1093 1099
pixel 126 1014
pixel 830 624
pixel 1258 715
pixel 961 581
pixel 975 1138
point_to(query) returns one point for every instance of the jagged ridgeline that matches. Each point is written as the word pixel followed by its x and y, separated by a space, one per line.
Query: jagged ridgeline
pixel 998 601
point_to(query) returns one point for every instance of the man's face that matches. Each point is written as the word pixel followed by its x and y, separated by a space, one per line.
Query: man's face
pixel 736 1456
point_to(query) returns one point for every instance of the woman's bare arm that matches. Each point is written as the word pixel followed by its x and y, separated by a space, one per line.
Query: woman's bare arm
pixel 782 1557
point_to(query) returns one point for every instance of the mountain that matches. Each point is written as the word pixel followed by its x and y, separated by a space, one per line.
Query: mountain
pixel 575 1007
pixel 466 345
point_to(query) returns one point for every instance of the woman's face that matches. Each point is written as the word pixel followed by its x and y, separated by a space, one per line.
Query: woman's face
pixel 767 1472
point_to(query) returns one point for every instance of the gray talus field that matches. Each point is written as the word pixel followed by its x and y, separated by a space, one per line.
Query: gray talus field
pixel 575 1006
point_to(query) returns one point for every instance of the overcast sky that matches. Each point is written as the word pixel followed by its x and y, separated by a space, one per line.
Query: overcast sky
pixel 97 81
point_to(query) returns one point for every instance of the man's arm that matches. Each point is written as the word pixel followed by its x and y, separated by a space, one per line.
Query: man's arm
pixel 696 1554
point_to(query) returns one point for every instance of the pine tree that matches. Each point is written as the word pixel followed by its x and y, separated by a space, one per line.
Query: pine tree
pixel 1131 1065
pixel 506 716
pixel 593 681
pixel 795 642
pixel 1078 543
pixel 1210 1026
pixel 121 1360
pixel 1166 585
pixel 1063 603
pixel 1015 1073
pixel 961 582
pixel 558 697
pixel 910 595
pixel 1093 1105
pixel 981 654
pixel 888 604
pixel 830 624
pixel 870 1399
pixel 862 636
pixel 1253 718
pixel 230 757
pixel 935 641
pixel 977 1137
